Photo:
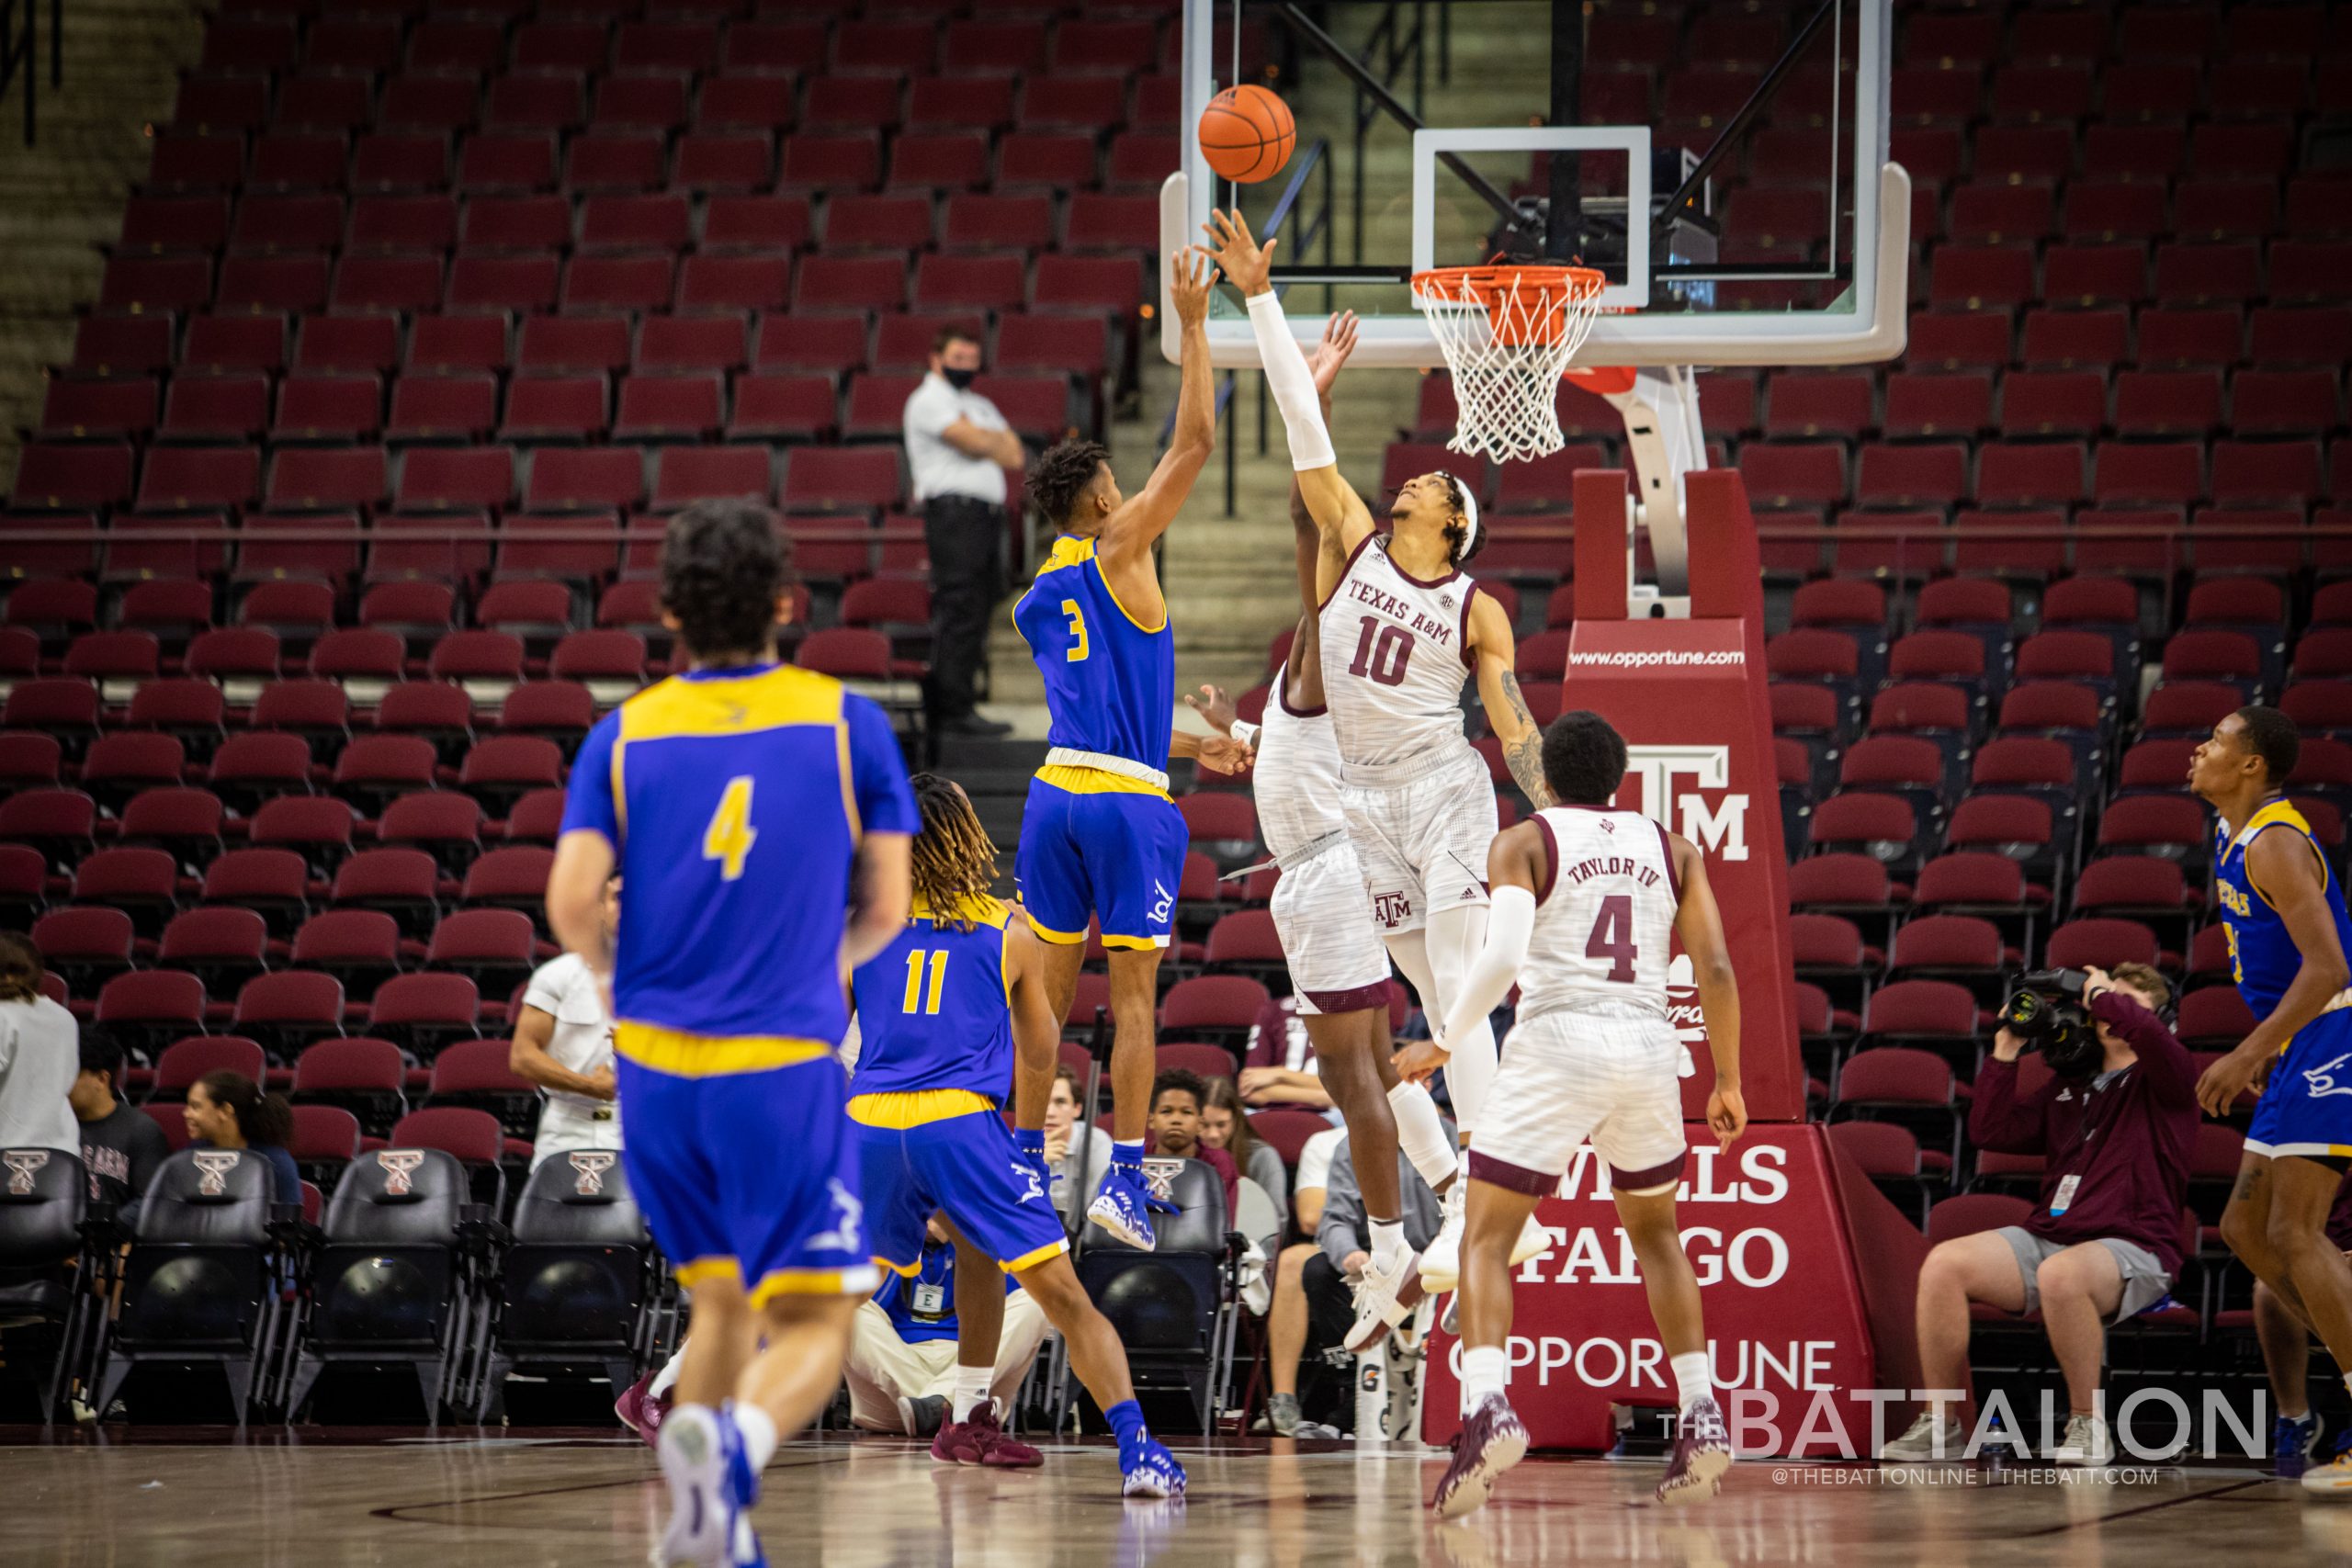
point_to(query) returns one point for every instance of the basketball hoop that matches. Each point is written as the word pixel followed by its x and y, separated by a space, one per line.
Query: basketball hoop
pixel 1507 333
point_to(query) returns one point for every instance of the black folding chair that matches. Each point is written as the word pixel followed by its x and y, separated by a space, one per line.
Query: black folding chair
pixel 398 1277
pixel 44 1195
pixel 1175 1307
pixel 203 1284
pixel 581 1284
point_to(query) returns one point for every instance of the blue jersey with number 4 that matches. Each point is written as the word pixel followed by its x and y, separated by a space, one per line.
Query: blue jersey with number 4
pixel 735 798
pixel 1110 679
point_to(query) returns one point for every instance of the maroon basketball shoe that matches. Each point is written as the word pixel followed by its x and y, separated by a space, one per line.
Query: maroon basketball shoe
pixel 1702 1454
pixel 1492 1440
pixel 642 1410
pixel 979 1440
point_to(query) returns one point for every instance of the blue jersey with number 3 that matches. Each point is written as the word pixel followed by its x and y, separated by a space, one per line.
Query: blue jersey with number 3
pixel 735 798
pixel 1110 679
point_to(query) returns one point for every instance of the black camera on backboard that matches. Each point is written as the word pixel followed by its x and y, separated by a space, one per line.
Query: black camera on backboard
pixel 2048 1013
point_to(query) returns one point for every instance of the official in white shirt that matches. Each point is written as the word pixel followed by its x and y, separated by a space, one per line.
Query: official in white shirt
pixel 563 1043
pixel 959 450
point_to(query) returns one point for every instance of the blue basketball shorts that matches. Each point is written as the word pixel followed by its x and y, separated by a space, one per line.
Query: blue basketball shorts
pixel 1111 855
pixel 963 1162
pixel 749 1174
pixel 2306 1105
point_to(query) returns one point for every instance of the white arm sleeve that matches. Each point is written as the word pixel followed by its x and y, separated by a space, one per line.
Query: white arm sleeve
pixel 1292 384
pixel 1511 923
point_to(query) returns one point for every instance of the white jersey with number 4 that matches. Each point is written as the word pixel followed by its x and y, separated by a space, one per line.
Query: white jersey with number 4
pixel 1395 652
pixel 1604 921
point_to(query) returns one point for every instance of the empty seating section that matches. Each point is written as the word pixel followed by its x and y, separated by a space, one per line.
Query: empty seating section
pixel 2130 321
pixel 399 288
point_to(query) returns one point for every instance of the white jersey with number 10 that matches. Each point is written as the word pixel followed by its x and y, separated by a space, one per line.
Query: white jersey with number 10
pixel 1395 656
pixel 1604 921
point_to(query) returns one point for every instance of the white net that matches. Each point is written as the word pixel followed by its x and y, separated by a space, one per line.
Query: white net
pixel 1507 333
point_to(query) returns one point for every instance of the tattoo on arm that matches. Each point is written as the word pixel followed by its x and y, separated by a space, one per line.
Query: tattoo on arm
pixel 1525 755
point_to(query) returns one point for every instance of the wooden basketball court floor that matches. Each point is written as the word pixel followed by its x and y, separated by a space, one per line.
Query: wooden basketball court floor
pixel 318 1499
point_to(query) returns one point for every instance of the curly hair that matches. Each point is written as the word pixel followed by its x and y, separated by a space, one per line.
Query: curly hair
pixel 1584 758
pixel 953 862
pixel 1184 1082
pixel 1062 475
pixel 724 565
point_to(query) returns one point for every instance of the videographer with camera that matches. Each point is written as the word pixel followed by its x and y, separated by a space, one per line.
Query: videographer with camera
pixel 2115 1124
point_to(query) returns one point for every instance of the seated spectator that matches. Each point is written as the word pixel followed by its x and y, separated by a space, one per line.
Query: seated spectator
pixel 1077 1151
pixel 1225 1126
pixel 228 1111
pixel 121 1145
pixel 1278 1066
pixel 1177 1098
pixel 39 1055
pixel 1308 1182
pixel 901 1368
pixel 2104 1242
pixel 1315 1283
pixel 563 1043
pixel 2286 1357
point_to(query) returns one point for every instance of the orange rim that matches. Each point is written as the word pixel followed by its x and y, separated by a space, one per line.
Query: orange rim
pixel 1523 304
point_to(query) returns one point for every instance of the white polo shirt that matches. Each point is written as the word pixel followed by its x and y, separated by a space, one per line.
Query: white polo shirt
pixel 566 991
pixel 938 469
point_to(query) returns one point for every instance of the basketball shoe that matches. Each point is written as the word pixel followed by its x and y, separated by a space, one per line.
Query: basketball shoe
pixel 1441 1259
pixel 712 1488
pixel 1491 1441
pixel 1702 1454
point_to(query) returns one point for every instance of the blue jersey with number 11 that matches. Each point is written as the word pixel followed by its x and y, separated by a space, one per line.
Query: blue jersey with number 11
pixel 1110 679
pixel 735 798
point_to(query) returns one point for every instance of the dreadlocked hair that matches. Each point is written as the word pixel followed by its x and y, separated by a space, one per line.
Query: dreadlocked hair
pixel 953 863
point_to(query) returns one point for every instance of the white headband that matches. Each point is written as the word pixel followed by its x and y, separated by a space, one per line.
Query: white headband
pixel 1469 514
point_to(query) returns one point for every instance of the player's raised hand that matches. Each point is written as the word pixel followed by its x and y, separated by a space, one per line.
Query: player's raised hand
pixel 1237 250
pixel 1192 279
pixel 1727 1117
pixel 1339 342
pixel 1214 704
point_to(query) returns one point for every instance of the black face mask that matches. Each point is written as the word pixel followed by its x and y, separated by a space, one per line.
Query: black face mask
pixel 959 379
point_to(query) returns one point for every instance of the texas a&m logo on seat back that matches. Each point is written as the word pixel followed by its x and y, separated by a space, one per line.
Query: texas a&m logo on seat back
pixel 213 1166
pixel 21 1163
pixel 588 1170
pixel 399 1167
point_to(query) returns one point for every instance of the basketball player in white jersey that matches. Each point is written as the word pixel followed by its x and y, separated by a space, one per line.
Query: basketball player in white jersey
pixel 1401 628
pixel 1587 901
pixel 1339 968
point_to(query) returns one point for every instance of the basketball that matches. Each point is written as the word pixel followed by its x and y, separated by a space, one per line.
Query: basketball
pixel 1247 134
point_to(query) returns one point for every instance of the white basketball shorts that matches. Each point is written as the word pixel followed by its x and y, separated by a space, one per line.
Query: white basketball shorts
pixel 1337 961
pixel 1611 1074
pixel 1423 842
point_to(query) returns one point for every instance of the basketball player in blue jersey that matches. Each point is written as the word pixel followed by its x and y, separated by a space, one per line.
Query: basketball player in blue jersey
pixel 2289 938
pixel 762 818
pixel 1100 839
pixel 948 1014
